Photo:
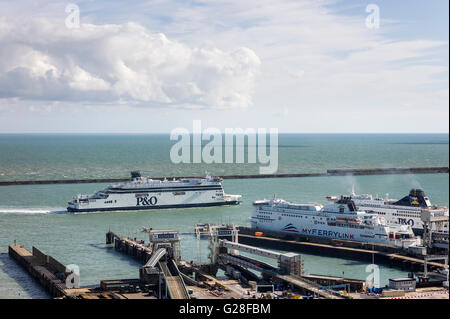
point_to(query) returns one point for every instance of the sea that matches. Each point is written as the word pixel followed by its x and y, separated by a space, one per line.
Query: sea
pixel 35 215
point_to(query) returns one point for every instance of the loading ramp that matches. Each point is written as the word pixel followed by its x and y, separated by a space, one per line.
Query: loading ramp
pixel 175 284
pixel 155 257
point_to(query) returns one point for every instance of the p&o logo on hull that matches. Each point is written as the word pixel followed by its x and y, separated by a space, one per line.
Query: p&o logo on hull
pixel 145 201
pixel 405 221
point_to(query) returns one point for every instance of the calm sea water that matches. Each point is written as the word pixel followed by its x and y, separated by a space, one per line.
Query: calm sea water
pixel 35 215
pixel 29 157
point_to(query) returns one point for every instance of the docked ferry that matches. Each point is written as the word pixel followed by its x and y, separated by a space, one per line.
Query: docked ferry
pixel 406 211
pixel 142 193
pixel 338 220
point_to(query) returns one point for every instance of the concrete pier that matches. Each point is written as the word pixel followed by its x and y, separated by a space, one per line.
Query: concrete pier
pixel 354 284
pixel 330 172
pixel 130 247
pixel 46 270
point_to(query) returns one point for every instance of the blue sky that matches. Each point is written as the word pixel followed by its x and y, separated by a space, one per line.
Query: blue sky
pixel 151 66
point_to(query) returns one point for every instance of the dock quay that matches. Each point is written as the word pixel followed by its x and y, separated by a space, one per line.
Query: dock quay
pixel 288 272
pixel 50 273
pixel 178 282
pixel 384 254
pixel 177 274
pixel 329 172
pixel 310 286
pixel 164 275
pixel 52 276
pixel 354 284
pixel 129 246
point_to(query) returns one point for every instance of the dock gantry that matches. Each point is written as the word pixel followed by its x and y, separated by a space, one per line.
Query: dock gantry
pixel 289 268
pixel 162 265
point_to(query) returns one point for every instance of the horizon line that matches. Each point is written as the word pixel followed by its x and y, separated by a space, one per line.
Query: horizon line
pixel 223 133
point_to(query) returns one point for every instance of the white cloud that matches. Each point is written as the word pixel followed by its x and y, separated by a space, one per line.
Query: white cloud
pixel 125 63
pixel 322 63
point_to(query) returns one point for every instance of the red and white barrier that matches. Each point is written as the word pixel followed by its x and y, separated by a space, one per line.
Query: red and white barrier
pixel 421 296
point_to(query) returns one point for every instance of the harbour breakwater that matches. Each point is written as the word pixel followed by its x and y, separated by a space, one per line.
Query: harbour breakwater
pixel 330 172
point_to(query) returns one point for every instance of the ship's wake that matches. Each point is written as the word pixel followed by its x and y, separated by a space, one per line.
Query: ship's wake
pixel 22 210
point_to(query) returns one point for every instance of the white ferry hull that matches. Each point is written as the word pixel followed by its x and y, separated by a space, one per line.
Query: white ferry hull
pixel 79 210
pixel 309 229
pixel 147 199
pixel 335 221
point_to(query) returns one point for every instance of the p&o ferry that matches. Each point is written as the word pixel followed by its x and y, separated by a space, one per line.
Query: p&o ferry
pixel 142 193
pixel 406 211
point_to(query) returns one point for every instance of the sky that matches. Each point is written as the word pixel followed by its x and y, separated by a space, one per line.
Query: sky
pixel 301 66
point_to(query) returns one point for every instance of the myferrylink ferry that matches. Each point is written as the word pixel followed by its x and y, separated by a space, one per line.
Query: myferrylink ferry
pixel 339 220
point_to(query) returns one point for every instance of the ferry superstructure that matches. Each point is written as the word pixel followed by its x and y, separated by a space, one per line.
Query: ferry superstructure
pixel 406 211
pixel 338 220
pixel 142 193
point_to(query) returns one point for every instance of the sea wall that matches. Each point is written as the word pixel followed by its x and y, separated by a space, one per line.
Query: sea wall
pixel 330 172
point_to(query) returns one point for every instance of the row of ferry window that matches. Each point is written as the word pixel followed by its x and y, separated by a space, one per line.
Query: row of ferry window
pixel 266 219
pixel 345 225
pixel 351 226
pixel 403 213
pixel 408 214
pixel 372 205
pixel 300 216
pixel 289 215
pixel 296 207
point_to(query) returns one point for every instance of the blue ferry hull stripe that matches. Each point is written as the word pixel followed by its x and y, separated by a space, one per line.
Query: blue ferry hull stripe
pixel 73 210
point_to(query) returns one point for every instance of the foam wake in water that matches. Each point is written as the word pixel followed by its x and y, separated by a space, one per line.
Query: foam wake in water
pixel 20 210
